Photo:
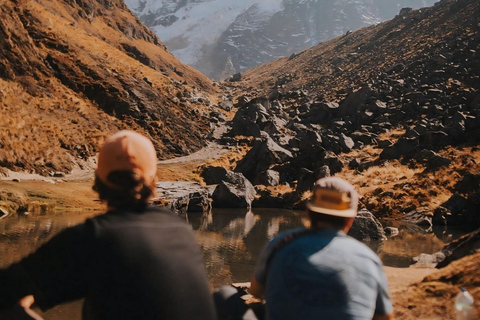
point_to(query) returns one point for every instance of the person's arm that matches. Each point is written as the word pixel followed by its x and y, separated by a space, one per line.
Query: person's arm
pixel 383 306
pixel 53 274
pixel 383 317
pixel 256 288
pixel 14 285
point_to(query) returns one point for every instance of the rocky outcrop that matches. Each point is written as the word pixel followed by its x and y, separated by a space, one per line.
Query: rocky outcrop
pixel 264 154
pixel 235 193
pixel 366 227
pixel 466 245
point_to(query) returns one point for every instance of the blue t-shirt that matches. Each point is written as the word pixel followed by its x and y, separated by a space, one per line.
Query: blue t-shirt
pixel 323 275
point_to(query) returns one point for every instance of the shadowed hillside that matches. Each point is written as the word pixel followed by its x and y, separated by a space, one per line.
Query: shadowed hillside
pixel 394 108
pixel 73 72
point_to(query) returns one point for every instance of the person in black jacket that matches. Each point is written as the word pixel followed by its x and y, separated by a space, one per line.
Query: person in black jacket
pixel 135 261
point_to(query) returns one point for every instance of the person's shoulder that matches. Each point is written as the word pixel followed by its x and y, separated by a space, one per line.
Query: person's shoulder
pixel 283 235
pixel 286 233
pixel 359 248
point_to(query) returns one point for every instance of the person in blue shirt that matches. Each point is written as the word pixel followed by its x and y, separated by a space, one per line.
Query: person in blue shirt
pixel 319 272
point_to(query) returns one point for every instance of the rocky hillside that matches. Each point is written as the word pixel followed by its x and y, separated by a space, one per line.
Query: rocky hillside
pixel 395 108
pixel 222 37
pixel 72 72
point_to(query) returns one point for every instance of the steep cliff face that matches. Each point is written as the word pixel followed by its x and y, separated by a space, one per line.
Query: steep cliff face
pixel 72 72
pixel 223 37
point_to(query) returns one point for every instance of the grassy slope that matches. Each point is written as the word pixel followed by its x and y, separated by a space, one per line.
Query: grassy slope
pixel 73 73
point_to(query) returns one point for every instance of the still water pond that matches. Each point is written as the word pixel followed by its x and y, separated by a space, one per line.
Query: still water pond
pixel 231 240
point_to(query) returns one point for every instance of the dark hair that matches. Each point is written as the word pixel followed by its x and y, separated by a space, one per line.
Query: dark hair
pixel 316 218
pixel 132 191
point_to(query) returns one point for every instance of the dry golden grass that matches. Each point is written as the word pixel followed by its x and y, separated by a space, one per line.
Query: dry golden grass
pixel 46 125
pixel 38 131
pixel 394 188
pixel 44 197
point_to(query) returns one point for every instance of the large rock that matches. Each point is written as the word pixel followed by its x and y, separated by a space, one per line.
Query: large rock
pixel 213 175
pixel 239 193
pixel 459 211
pixel 346 143
pixel 267 178
pixel 305 181
pixel 249 117
pixel 469 183
pixel 355 102
pixel 435 140
pixel 367 227
pixel 264 153
pixel 403 147
pixel 199 202
pixel 457 249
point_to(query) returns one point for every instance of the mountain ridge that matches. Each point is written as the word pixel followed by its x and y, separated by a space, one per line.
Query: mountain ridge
pixel 73 72
pixel 220 38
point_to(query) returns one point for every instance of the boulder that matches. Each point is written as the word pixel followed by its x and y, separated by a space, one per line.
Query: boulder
pixel 469 183
pixel 346 143
pixel 391 231
pixel 435 140
pixel 264 153
pixel 213 175
pixel 321 112
pixel 405 11
pixel 236 77
pixel 237 194
pixel 459 211
pixel 245 127
pixel 354 163
pixel 420 217
pixel 305 180
pixel 437 162
pixel 354 102
pixel 332 161
pixel 425 260
pixel 309 140
pixel 464 246
pixel 403 147
pixel 367 227
pixel 199 202
pixel 366 138
pixel 267 178
pixel 250 116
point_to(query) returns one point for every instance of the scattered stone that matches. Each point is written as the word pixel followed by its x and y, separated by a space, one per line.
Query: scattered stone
pixel 428 260
pixel 405 11
pixel 391 231
pixel 3 213
pixel 236 77
pixel 421 217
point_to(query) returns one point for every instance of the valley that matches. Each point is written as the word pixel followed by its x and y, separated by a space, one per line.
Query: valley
pixel 394 108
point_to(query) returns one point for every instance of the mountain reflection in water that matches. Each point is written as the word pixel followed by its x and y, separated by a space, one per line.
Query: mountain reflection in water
pixel 231 240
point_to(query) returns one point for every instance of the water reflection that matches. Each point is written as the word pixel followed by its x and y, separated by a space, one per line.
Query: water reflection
pixel 231 239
